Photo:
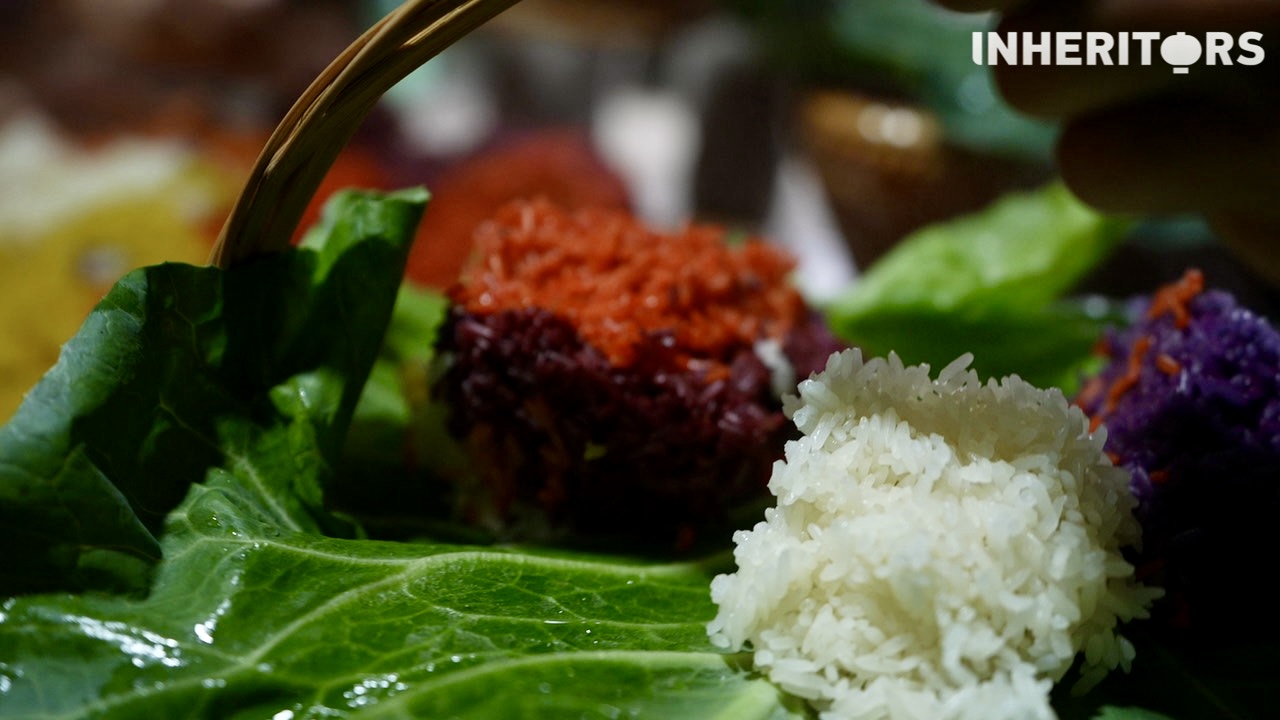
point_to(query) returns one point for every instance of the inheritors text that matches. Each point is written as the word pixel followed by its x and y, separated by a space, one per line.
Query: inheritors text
pixel 1178 50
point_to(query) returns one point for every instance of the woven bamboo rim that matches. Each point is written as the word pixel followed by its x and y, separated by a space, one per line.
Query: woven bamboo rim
pixel 315 130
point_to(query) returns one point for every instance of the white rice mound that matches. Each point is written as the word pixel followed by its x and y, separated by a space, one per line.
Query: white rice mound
pixel 939 549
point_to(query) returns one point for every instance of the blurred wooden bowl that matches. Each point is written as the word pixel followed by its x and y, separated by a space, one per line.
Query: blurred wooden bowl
pixel 889 169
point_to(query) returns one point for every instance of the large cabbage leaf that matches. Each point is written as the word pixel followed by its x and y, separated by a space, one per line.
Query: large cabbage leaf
pixel 251 618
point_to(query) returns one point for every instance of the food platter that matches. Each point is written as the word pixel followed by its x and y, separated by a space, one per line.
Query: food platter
pixel 201 517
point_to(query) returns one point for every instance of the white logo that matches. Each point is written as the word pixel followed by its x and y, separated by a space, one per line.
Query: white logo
pixel 1179 50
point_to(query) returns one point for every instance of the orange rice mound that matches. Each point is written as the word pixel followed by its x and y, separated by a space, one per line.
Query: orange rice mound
pixel 689 296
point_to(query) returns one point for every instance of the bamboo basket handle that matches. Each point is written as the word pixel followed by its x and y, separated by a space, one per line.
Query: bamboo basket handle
pixel 315 130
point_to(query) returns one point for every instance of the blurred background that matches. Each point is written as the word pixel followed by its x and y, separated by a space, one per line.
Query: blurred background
pixel 831 127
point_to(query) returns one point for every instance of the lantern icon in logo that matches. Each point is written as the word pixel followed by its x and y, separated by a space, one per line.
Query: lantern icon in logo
pixel 1179 51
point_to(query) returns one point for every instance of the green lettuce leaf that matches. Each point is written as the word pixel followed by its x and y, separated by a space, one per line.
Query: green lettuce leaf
pixel 395 413
pixel 992 284
pixel 180 370
pixel 399 459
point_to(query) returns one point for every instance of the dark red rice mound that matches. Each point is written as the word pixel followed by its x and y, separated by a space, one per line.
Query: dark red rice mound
pixel 662 431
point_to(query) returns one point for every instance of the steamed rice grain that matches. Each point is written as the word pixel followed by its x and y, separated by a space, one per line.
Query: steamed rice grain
pixel 939 549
